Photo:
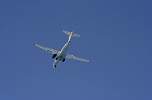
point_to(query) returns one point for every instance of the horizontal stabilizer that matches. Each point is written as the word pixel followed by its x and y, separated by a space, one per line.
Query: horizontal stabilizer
pixel 71 33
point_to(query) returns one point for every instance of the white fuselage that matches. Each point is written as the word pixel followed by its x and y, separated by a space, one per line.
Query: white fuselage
pixel 62 53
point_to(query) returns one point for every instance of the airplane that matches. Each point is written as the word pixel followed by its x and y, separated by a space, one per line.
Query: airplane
pixel 62 55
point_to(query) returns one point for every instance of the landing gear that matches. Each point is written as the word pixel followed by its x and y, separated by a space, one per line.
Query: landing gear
pixel 54 68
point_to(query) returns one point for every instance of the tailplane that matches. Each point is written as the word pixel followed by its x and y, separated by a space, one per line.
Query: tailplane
pixel 71 34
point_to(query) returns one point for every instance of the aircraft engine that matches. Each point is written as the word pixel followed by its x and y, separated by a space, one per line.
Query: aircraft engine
pixel 63 60
pixel 54 55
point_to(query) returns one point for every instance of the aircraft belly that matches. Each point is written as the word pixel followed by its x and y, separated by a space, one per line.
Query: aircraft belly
pixel 65 48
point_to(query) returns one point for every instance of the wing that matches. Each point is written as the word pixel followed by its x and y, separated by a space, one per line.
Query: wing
pixel 50 50
pixel 72 57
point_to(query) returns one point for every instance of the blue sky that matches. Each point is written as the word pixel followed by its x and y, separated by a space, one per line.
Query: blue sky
pixel 115 36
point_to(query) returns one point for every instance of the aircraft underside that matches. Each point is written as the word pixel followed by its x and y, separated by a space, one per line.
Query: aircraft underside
pixel 54 56
pixel 62 55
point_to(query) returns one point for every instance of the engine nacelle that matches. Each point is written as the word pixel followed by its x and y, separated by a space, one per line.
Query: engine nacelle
pixel 63 60
pixel 54 55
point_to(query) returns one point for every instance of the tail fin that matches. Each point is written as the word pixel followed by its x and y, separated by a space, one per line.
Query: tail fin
pixel 71 34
